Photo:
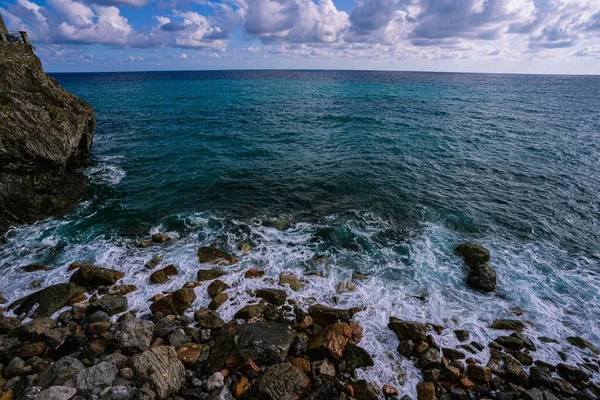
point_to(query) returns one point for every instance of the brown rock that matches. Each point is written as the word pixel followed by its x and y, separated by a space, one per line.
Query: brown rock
pixel 508 325
pixel 96 328
pixel 160 238
pixel 302 364
pixel 407 330
pixel 241 387
pixel 233 360
pixel 426 391
pixel 76 299
pixel 357 332
pixel 272 296
pixel 218 301
pixel 145 244
pixel 121 290
pixel 467 384
pixel 189 353
pixel 217 286
pixel 306 322
pixel 390 391
pixel 332 340
pixel 32 349
pixel 254 273
pixel 159 277
pixel 292 280
pixel 91 275
pixel 174 303
pixel 479 373
pixel 192 284
pixel 154 262
pixel 209 274
pixel 250 311
pixel 211 255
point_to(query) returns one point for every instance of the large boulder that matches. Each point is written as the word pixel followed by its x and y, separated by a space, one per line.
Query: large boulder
pixel 474 254
pixel 91 275
pixel 175 303
pixel 211 255
pixel 408 330
pixel 132 335
pixel 161 368
pixel 92 380
pixel 483 278
pixel 283 382
pixel 48 300
pixel 331 341
pixel 265 342
pixel 46 134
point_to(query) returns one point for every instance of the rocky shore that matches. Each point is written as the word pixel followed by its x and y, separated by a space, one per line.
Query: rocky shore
pixel 81 340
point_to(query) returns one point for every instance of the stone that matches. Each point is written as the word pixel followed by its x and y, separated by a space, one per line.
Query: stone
pixel 222 347
pixel 160 238
pixel 215 381
pixel 407 330
pixel 241 387
pixel 283 382
pixel 250 311
pixel 534 394
pixel 514 370
pixel 14 367
pixel 390 391
pixel 572 374
pixel 36 327
pixel 430 359
pixel 92 275
pixel 37 267
pixel 483 278
pixel 211 255
pixel 110 304
pixel 178 338
pixel 189 353
pixel 453 354
pixel 462 335
pixel 132 335
pixel 291 280
pixel 357 332
pixel 56 393
pixel 217 286
pixel 302 364
pixel 509 342
pixel 60 372
pixel 322 368
pixel 365 390
pixel 582 344
pixel 208 319
pixel 48 300
pixel 222 393
pixel 154 262
pixel 209 274
pixel 479 373
pixel 264 342
pixel 508 325
pixel 345 287
pixel 9 324
pixel 159 277
pixel 254 273
pixel 324 316
pixel 218 301
pixel 354 357
pixel 426 391
pixel 174 303
pixel 474 254
pixel 277 297
pixel 332 340
pixel 161 369
pixel 406 348
pixel 33 349
pixel 92 380
pixel 527 342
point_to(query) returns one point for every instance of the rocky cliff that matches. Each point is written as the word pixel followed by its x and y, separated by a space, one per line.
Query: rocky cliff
pixel 45 136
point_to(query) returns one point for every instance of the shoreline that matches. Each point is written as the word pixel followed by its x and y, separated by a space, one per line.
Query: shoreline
pixel 279 349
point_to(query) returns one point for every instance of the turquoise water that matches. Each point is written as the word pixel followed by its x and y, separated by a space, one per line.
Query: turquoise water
pixel 381 172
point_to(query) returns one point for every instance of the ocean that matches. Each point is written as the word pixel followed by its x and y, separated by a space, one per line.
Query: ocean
pixel 339 171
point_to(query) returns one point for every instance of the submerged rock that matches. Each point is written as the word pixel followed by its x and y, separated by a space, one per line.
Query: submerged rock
pixel 48 300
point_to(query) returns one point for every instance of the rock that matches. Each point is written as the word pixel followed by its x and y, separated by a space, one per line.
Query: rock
pixel 322 368
pixel 154 262
pixel 324 316
pixel 509 342
pixel 208 319
pixel 91 275
pixel 57 393
pixel 264 342
pixel 250 311
pixel 474 254
pixel 14 367
pixel 242 386
pixel 178 338
pixel 332 340
pixel 582 344
pixel 572 374
pixel 46 135
pixel 365 391
pixel 254 273
pixel 217 286
pixel 452 354
pixel 483 278
pixel 222 393
pixel 527 342
pixel 302 364
pixel 283 382
pixel 218 301
pixel 174 303
pixel 407 330
pixel 277 297
pixel 507 325
pixel 292 280
pixel 220 350
pixel 189 353
pixel 161 369
pixel 211 255
pixel 215 381
pixel 60 372
pixel 36 267
pixel 37 327
pixel 132 335
pixel 33 349
pixel 92 380
pixel 162 275
pixel 121 290
pixel 534 394
pixel 48 300
pixel 514 370
pixel 345 287
pixel 9 324
pixel 390 391
pixel 426 391
pixel 429 359
pixel 354 357
pixel 210 274
pixel 479 373
pixel 462 335
pixel 109 304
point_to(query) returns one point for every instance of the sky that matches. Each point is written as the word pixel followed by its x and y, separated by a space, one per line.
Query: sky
pixel 511 36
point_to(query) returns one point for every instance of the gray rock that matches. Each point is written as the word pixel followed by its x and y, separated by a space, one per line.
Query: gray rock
pixel 208 319
pixel 283 382
pixel 509 342
pixel 572 374
pixel 178 338
pixel 92 380
pixel 131 335
pixel 324 316
pixel 482 278
pixel 119 393
pixel 161 369
pixel 110 304
pixel 429 359
pixel 474 254
pixel 99 316
pixel 222 393
pixel 365 390
pixel 14 367
pixel 60 372
pixel 265 342
pixel 354 357
pixel 48 300
pixel 57 393
pixel 215 381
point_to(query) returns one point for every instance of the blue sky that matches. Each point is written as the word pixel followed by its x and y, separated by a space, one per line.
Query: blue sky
pixel 521 36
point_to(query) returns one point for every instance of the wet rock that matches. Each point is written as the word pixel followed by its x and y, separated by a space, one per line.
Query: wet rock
pixel 462 335
pixel 511 343
pixel 241 387
pixel 322 368
pixel 36 267
pixel 121 290
pixel 250 311
pixel 109 304
pixel 482 278
pixel 60 372
pixel 514 370
pixel 33 349
pixel 218 301
pixel 365 390
pixel 189 353
pixel 92 275
pixel 452 354
pixel 332 340
pixel 474 254
pixel 524 358
pixel 406 348
pixel 209 274
pixel 178 338
pixel 582 343
pixel 254 273
pixel 224 344
pixel 345 287
pixel 430 359
pixel 36 327
pixel 216 287
pixel 208 319
pixel 162 275
pixel 132 335
pixel 161 369
pixel 264 342
pixel 508 325
pixel 48 300
pixel 407 330
pixel 426 391
pixel 57 393
pixel 527 342
pixel 288 279
pixel 354 357
pixel 175 303
pixel 211 255
pixel 277 297
pixel 283 382
pixel 390 391
pixel 160 238
pixel 154 262
pixel 91 381
pixel 324 316
pixel 572 374
pixel 479 373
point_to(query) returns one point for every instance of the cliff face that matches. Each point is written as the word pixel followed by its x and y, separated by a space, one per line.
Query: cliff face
pixel 45 134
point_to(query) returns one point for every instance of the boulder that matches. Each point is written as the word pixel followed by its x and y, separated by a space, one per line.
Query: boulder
pixel 218 301
pixel 162 275
pixel 264 342
pixel 36 267
pixel 426 391
pixel 508 325
pixel 48 300
pixel 277 297
pixel 324 315
pixel 132 335
pixel 453 354
pixel 175 303
pixel 365 390
pixel 354 357
pixel 208 319
pixel 292 280
pixel 36 327
pixel 250 311
pixel 92 380
pixel 332 340
pixel 474 254
pixel 92 275
pixel 189 353
pixel 210 274
pixel 211 255
pixel 283 382
pixel 479 373
pixel 408 330
pixel 221 349
pixel 580 342
pixel 572 374
pixel 110 304
pixel 430 359
pixel 510 343
pixel 217 286
pixel 514 370
pixel 483 278
pixel 57 393
pixel 161 369
pixel 60 372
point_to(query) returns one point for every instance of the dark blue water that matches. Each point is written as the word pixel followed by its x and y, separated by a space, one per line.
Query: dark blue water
pixel 383 172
